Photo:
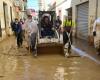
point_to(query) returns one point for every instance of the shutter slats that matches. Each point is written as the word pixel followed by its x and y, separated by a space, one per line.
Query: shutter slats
pixel 82 21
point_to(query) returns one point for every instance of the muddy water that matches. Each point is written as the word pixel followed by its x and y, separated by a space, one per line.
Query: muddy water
pixel 47 67
pixel 17 66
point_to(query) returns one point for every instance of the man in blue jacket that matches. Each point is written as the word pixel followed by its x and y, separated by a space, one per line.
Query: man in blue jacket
pixel 18 30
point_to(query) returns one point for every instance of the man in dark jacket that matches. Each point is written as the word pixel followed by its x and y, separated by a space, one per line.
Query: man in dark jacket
pixel 18 32
pixel 58 23
pixel 46 27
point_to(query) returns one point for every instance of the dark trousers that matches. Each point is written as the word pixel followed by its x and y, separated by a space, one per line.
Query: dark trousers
pixel 66 39
pixel 33 41
pixel 19 39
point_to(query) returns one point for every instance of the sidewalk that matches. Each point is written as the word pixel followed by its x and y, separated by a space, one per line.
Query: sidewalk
pixel 84 46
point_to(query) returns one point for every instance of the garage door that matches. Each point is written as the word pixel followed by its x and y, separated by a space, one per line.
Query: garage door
pixel 82 21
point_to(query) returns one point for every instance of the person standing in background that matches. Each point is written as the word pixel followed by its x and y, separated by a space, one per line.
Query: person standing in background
pixel 96 34
pixel 58 23
pixel 18 32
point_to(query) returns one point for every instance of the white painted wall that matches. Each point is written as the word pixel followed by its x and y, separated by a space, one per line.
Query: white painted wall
pixel 63 8
pixel 8 29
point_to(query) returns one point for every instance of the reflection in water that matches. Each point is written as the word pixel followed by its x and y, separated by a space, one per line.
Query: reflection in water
pixel 11 64
pixel 75 62
pixel 26 70
pixel 73 68
pixel 46 67
pixel 73 72
pixel 59 75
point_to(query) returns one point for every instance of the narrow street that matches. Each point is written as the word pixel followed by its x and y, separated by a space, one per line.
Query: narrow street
pixel 19 64
pixel 52 29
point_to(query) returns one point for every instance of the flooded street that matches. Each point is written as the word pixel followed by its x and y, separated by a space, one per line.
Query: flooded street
pixel 18 64
pixel 50 40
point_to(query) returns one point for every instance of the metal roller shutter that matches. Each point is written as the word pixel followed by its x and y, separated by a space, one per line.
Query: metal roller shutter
pixel 82 21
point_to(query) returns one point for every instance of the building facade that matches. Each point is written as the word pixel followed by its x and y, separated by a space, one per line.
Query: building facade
pixel 6 15
pixel 42 5
pixel 84 13
pixel 20 8
pixel 52 5
pixel 60 7
pixel 9 10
